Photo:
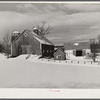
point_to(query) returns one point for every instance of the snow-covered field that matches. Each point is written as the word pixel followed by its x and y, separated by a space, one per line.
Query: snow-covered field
pixel 33 73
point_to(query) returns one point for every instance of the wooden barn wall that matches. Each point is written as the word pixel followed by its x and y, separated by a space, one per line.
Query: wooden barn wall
pixel 83 52
pixel 47 50
pixel 59 53
pixel 13 50
pixel 28 40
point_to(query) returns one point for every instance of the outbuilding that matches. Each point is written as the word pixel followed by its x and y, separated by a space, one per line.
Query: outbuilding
pixel 59 54
pixel 77 48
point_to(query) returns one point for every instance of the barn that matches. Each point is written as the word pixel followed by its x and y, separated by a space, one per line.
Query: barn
pixel 77 48
pixel 31 42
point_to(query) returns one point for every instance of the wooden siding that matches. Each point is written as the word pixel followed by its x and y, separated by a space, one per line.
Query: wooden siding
pixel 59 53
pixel 83 52
pixel 74 52
pixel 25 40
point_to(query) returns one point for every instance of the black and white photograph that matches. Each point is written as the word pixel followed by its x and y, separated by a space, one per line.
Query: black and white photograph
pixel 50 45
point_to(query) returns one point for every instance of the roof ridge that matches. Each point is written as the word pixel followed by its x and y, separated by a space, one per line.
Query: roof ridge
pixel 59 49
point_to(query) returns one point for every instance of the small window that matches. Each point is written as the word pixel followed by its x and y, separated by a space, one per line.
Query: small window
pixel 59 57
pixel 47 51
pixel 25 34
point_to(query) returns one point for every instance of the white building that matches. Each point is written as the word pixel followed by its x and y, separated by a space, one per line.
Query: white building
pixel 77 48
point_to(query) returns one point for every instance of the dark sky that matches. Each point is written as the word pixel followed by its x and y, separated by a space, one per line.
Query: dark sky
pixel 70 21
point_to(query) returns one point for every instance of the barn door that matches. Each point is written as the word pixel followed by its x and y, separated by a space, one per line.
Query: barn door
pixel 26 49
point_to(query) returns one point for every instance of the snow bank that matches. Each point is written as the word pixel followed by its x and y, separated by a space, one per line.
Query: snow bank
pixel 19 73
pixel 82 58
pixel 26 57
pixel 2 56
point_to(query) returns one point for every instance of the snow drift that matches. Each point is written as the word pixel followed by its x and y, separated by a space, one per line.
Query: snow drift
pixel 21 73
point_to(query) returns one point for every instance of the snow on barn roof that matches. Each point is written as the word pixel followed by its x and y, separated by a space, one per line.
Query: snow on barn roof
pixel 41 41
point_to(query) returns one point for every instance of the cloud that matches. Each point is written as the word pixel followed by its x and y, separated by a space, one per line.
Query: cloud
pixel 28 7
pixel 85 7
pixel 68 20
pixel 54 38
pixel 95 27
pixel 82 36
pixel 66 8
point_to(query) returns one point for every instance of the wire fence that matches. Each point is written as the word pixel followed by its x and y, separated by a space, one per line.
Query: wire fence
pixel 72 61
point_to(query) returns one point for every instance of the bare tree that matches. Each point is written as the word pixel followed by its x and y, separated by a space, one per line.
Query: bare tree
pixel 44 28
pixel 98 37
pixel 7 43
pixel 94 46
pixel 1 47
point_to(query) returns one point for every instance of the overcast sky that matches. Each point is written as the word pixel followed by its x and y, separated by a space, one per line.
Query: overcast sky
pixel 70 21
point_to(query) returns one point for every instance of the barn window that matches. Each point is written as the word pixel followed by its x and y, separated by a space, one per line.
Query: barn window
pixel 25 34
pixel 59 57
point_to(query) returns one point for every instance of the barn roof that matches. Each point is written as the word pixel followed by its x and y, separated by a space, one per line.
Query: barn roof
pixel 60 50
pixel 41 39
pixel 76 45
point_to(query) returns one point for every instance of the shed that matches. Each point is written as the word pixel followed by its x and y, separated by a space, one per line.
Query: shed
pixel 59 54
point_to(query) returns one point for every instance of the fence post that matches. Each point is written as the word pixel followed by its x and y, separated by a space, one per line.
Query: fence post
pixel 98 63
pixel 78 62
pixel 84 62
pixel 91 62
pixel 71 61
pixel 66 61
